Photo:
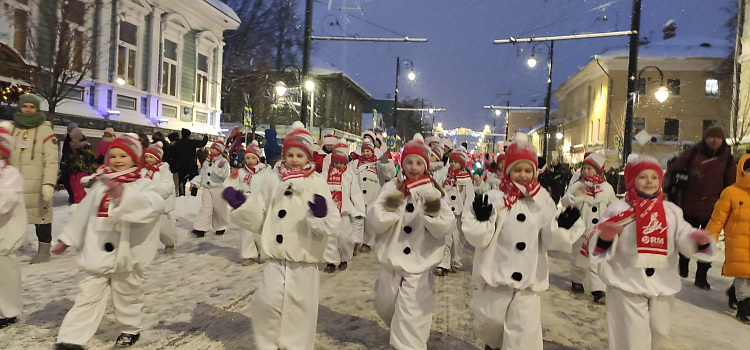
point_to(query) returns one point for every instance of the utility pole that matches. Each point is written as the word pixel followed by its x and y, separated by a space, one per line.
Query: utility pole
pixel 547 99
pixel 307 45
pixel 395 99
pixel 635 27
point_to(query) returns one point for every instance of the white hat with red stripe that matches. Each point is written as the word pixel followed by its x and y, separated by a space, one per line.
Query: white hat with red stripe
pixel 330 139
pixel 131 144
pixel 369 133
pixel 219 146
pixel 253 149
pixel 6 139
pixel 638 163
pixel 521 150
pixel 432 139
pixel 596 160
pixel 417 147
pixel 340 153
pixel 438 151
pixel 156 150
pixel 446 142
pixel 299 138
pixel 460 155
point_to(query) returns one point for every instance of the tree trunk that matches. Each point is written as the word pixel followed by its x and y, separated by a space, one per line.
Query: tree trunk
pixel 51 113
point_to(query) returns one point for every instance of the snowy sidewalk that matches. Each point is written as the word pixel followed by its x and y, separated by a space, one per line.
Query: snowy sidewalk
pixel 199 298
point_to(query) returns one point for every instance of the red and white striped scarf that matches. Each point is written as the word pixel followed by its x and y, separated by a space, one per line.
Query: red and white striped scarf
pixel 288 174
pixel 513 192
pixel 212 157
pixel 453 176
pixel 334 184
pixel 152 169
pixel 651 229
pixel 412 185
pixel 251 170
pixel 364 160
pixel 592 184
pixel 125 176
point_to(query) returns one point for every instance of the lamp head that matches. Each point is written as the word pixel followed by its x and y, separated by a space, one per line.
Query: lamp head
pixel 662 94
pixel 531 62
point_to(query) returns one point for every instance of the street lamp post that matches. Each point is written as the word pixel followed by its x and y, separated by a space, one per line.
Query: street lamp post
pixel 411 76
pixel 531 62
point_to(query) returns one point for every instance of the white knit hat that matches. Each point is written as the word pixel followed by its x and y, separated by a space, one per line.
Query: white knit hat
pixel 156 150
pixel 432 139
pixel 253 149
pixel 330 139
pixel 596 160
pixel 446 142
pixel 131 144
pixel 300 138
pixel 340 152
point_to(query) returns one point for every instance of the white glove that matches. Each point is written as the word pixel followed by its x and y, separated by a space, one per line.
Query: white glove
pixel 47 192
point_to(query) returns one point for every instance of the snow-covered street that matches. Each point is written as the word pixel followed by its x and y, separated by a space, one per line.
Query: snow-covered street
pixel 199 298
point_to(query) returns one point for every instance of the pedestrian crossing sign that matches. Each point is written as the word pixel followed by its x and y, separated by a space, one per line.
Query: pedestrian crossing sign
pixel 247 119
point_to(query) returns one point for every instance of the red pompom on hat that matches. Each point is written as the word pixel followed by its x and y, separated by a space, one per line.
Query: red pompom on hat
pixel 253 149
pixel 340 153
pixel 416 147
pixel 521 150
pixel 637 163
pixel 330 139
pixel 156 150
pixel 460 155
pixel 299 138
pixel 596 160
pixel 131 144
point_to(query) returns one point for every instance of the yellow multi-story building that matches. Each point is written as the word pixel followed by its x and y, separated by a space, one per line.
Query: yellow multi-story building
pixel 591 118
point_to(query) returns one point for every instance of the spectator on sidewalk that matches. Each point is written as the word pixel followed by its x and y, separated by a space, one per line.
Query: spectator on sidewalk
pixel 64 175
pixel 101 151
pixel 184 157
pixel 79 163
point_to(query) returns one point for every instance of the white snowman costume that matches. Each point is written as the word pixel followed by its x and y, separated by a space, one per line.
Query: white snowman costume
pixel 371 176
pixel 592 203
pixel 12 228
pixel 164 186
pixel 409 245
pixel 510 259
pixel 459 193
pixel 262 177
pixel 284 308
pixel 116 242
pixel 213 214
pixel 639 299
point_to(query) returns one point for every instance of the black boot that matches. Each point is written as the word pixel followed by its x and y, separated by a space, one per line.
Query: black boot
pixel 66 346
pixel 127 340
pixel 600 297
pixel 220 232
pixel 732 298
pixel 576 287
pixel 198 234
pixel 743 311
pixel 700 275
pixel 5 322
pixel 487 347
pixel 684 263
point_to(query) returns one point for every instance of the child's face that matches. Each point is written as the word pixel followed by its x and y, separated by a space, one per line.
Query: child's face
pixel 455 166
pixel 414 167
pixel 522 173
pixel 339 165
pixel 647 182
pixel 213 150
pixel 251 160
pixel 28 108
pixel 119 160
pixel 501 164
pixel 295 158
pixel 106 134
pixel 151 160
pixel 366 153
pixel 434 158
pixel 434 143
pixel 587 170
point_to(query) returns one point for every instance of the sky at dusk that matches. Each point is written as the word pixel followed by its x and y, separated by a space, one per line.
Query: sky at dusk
pixel 460 69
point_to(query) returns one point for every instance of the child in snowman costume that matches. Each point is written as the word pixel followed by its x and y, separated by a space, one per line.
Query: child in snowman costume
pixel 512 230
pixel 438 170
pixel 410 220
pixel 636 244
pixel 493 173
pixel 295 216
pixel 323 156
pixel 213 214
pixel 251 178
pixel 592 195
pixel 115 229
pixel 370 166
pixel 459 190
pixel 159 172
pixel 350 204
pixel 12 228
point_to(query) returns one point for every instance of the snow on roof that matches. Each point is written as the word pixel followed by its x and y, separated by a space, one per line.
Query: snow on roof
pixel 677 47
pixel 224 8
pixel 319 67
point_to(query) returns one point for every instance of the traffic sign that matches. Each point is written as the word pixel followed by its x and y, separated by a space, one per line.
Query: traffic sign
pixel 248 117
pixel 391 142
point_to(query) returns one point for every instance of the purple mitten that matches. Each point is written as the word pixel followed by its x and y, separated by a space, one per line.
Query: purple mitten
pixel 221 165
pixel 318 207
pixel 233 197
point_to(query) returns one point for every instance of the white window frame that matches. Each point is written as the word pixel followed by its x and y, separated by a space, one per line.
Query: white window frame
pixel 203 88
pixel 134 14
pixel 173 28
pixel 171 62
pixel 205 45
pixel 718 88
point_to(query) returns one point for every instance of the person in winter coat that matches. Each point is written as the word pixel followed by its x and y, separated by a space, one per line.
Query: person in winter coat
pixel 438 170
pixel 79 163
pixel 494 168
pixel 115 230
pixel 64 175
pixel 368 168
pixel 35 155
pixel 409 220
pixel 448 146
pixel 732 214
pixel 709 168
pixel 635 244
pixel 184 158
pixel 347 195
pixel 159 173
pixel 591 195
pixel 512 229
pixel 213 214
pixel 557 181
pixel 272 149
pixel 459 190
pixel 323 156
pixel 171 159
pixel 12 229
pixel 295 215
pixel 250 179
pixel 101 151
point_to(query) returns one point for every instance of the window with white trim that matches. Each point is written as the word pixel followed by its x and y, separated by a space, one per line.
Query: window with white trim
pixel 202 83
pixel 21 14
pixel 169 69
pixel 127 53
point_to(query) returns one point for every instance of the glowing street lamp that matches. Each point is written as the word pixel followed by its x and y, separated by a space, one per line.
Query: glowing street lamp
pixel 280 88
pixel 440 125
pixel 486 128
pixel 531 62
pixel 309 85
pixel 662 93
pixel 498 112
pixel 412 76
pixel 559 135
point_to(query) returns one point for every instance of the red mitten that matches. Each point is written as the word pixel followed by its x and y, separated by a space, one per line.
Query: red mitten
pixel 700 237
pixel 608 231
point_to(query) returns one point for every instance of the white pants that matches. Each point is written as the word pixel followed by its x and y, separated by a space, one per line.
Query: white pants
pixel 167 231
pixel 341 248
pixel 81 322
pixel 358 230
pixel 741 288
pixel 405 303
pixel 453 251
pixel 580 270
pixel 250 245
pixel 214 214
pixel 11 303
pixel 507 318
pixel 284 309
pixel 636 322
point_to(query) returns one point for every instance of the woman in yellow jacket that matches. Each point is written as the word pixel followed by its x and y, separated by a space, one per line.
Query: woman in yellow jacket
pixel 732 213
